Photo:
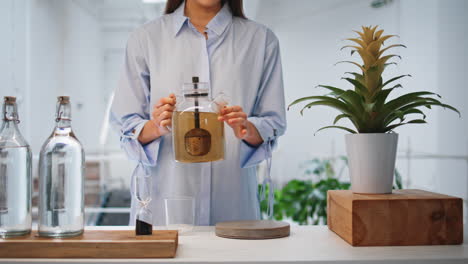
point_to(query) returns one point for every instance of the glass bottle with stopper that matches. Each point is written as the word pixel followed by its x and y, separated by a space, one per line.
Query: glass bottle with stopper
pixel 15 175
pixel 198 135
pixel 61 179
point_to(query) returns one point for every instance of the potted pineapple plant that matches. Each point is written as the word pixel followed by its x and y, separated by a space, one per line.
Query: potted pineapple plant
pixel 372 143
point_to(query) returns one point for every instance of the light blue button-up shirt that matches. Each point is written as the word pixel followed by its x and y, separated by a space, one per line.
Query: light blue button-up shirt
pixel 240 58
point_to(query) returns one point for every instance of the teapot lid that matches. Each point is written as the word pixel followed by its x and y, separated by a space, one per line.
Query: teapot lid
pixel 195 88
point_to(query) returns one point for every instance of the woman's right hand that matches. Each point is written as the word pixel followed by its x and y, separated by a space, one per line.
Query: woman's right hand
pixel 161 120
pixel 162 114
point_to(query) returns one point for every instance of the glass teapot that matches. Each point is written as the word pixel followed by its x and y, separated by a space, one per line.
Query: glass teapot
pixel 198 135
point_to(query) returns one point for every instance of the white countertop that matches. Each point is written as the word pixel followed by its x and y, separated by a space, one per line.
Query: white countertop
pixel 307 244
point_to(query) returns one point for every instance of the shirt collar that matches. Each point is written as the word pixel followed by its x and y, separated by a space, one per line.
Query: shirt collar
pixel 179 18
pixel 218 24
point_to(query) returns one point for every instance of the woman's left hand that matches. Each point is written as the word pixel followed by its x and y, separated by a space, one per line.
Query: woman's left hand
pixel 243 129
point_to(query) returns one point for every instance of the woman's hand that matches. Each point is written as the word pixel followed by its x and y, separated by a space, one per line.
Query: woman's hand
pixel 161 120
pixel 162 113
pixel 235 117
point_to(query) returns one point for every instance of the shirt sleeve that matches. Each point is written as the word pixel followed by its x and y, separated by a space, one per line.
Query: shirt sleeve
pixel 131 103
pixel 269 111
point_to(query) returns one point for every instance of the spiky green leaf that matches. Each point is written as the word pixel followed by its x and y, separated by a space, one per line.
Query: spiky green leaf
pixel 394 79
pixel 335 91
pixel 352 62
pixel 341 116
pixel 358 86
pixel 328 101
pixel 389 47
pixel 338 127
pixel 308 98
pixel 406 99
pixel 354 102
pixel 416 121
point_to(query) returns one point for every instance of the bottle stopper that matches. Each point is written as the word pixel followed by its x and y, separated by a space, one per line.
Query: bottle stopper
pixel 9 99
pixel 64 99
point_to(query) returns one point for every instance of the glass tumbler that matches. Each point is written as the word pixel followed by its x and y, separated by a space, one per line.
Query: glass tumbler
pixel 180 213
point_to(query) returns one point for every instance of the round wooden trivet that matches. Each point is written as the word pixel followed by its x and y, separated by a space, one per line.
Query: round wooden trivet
pixel 252 229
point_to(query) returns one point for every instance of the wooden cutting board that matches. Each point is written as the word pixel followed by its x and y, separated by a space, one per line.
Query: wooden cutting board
pixel 93 244
pixel 252 229
pixel 403 218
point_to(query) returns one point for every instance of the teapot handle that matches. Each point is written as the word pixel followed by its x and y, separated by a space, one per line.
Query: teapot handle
pixel 178 100
pixel 220 101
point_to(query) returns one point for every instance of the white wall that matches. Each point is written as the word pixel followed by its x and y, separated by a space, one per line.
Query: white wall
pixel 435 32
pixel 46 70
pixel 51 48
pixel 452 72
pixel 311 34
pixel 65 59
pixel 83 70
pixel 75 47
pixel 13 26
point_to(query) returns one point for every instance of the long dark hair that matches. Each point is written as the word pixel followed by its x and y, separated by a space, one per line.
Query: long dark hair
pixel 235 5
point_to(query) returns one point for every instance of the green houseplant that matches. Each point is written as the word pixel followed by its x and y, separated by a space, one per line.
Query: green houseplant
pixel 304 200
pixel 371 146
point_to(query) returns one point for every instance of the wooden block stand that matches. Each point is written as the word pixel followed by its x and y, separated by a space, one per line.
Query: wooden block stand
pixel 93 244
pixel 403 218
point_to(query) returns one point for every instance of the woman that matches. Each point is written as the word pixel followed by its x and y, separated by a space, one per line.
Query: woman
pixel 211 39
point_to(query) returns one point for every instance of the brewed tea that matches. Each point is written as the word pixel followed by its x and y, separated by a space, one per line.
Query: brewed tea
pixel 198 148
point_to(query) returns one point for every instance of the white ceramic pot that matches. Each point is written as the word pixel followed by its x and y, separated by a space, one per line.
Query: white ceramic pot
pixel 371 159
